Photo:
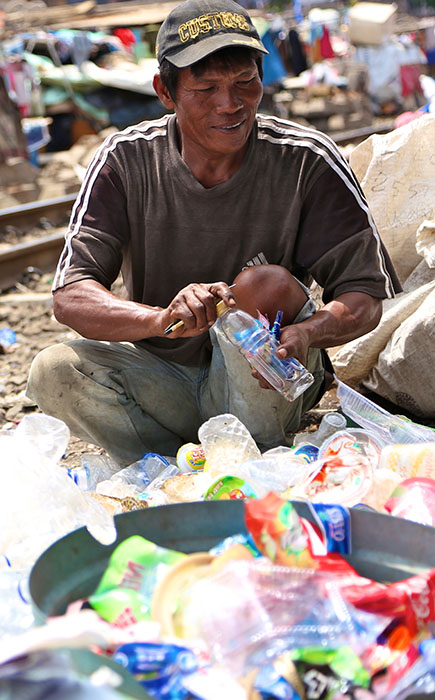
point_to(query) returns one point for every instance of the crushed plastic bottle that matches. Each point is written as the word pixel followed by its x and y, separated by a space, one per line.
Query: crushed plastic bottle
pixel 258 345
pixel 226 443
pixel 94 468
pixel 135 481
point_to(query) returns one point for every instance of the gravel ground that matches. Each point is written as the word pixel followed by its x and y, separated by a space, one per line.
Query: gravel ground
pixel 27 310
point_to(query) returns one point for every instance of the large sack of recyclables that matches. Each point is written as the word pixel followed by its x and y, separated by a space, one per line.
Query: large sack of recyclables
pixel 396 359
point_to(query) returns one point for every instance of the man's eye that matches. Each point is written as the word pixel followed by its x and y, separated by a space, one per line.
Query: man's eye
pixel 245 82
pixel 209 89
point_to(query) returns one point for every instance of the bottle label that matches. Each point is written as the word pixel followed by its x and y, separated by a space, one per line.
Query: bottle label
pixel 334 523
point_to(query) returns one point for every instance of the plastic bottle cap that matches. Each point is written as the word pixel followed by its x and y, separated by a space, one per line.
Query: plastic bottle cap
pixel 221 307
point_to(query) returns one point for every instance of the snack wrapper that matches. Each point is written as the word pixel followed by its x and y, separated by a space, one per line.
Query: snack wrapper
pixel 278 532
pixel 125 591
pixel 286 539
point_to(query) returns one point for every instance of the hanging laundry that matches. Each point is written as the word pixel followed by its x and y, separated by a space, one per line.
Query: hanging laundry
pixel 326 49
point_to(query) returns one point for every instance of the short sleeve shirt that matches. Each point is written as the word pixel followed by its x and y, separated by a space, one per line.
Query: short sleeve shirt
pixel 293 202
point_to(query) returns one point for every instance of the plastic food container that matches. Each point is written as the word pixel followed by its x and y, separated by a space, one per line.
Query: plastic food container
pixel 388 428
pixel 365 442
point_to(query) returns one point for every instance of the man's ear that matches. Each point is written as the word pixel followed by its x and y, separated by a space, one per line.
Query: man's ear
pixel 162 92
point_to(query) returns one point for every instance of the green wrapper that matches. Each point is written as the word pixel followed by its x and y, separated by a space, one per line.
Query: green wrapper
pixel 125 591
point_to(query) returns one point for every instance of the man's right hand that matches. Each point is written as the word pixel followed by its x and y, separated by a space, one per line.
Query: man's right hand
pixel 98 314
pixel 195 305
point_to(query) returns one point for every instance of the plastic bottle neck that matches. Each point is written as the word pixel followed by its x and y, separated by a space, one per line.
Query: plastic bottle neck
pixel 221 308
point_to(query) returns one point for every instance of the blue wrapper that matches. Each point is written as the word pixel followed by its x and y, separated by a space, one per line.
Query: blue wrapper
pixel 271 685
pixel 159 668
pixel 309 452
pixel 334 522
pixel 143 657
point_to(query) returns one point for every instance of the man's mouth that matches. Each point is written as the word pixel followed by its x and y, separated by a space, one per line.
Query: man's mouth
pixel 230 127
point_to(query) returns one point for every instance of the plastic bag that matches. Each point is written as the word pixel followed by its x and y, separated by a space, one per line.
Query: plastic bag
pixel 389 428
pixel 276 472
pixel 270 609
pixel 40 503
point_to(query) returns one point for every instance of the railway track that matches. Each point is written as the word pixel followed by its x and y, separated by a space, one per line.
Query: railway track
pixel 43 249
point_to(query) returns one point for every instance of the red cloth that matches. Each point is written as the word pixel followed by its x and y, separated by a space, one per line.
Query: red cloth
pixel 410 79
pixel 126 36
pixel 325 45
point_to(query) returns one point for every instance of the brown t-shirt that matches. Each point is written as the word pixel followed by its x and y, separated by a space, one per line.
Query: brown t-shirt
pixel 294 202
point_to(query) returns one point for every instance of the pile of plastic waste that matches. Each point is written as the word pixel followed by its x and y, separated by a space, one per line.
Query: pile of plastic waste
pixel 275 612
pixel 40 504
pixel 386 463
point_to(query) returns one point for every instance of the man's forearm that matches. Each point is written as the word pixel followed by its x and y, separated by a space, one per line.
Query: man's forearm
pixel 95 313
pixel 343 319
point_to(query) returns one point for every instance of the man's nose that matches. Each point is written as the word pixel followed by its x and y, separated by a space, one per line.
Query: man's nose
pixel 228 99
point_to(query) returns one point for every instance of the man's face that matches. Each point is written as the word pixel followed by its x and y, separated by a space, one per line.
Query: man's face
pixel 216 110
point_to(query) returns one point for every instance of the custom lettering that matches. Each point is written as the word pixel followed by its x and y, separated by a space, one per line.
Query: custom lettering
pixel 213 21
pixel 204 23
pixel 183 33
pixel 214 18
pixel 194 28
pixel 228 20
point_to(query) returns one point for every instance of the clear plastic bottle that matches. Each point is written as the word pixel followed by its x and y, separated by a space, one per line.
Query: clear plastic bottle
pixel 96 469
pixel 144 471
pixel 331 423
pixel 259 346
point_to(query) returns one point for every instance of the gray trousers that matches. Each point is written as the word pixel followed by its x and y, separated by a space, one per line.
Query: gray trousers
pixel 128 401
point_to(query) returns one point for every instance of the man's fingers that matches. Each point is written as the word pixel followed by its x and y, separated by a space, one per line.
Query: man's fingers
pixel 262 382
pixel 294 343
pixel 223 291
pixel 195 305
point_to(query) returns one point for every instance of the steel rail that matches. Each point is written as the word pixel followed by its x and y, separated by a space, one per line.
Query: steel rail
pixel 42 252
pixel 23 213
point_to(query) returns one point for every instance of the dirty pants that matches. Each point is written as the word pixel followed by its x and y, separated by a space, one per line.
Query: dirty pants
pixel 123 398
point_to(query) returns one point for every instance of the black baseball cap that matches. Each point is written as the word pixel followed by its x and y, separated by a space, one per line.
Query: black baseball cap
pixel 197 28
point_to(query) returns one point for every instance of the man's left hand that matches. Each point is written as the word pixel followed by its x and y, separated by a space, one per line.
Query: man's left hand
pixel 294 343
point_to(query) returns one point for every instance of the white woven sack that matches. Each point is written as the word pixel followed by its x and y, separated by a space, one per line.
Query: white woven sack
pixel 397 174
pixel 353 361
pixel 404 371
